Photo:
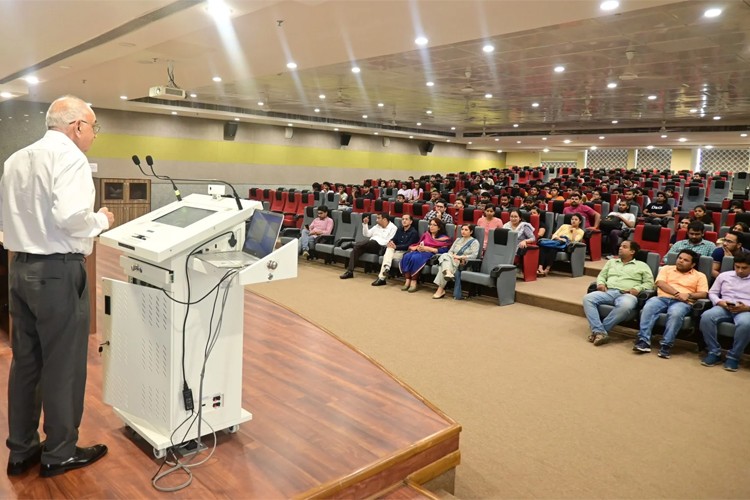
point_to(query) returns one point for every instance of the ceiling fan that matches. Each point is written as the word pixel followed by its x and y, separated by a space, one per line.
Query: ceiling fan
pixel 341 101
pixel 630 74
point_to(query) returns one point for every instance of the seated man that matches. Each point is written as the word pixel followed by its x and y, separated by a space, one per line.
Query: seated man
pixel 730 245
pixel 439 212
pixel 618 284
pixel 323 225
pixel 730 295
pixel 694 241
pixel 378 236
pixel 406 236
pixel 576 207
pixel 615 223
pixel 678 287
pixel 659 211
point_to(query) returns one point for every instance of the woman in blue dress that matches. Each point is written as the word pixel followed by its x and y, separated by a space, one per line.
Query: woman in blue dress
pixel 434 241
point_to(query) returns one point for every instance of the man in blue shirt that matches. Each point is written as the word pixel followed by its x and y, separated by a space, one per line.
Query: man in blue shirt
pixel 732 245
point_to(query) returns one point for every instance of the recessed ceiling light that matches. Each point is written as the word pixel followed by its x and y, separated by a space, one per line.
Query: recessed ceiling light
pixel 518 142
pixel 609 5
pixel 453 128
pixel 317 110
pixel 488 95
pixel 694 110
pixel 290 125
pixel 236 119
pixel 260 103
pixel 544 138
pixel 364 116
pixel 709 147
pixel 664 136
pixel 682 139
pixel 419 124
pixel 322 96
pixel 31 80
pixel 356 69
pixel 649 147
pixel 515 125
pixel 488 49
pixel 291 65
pixel 193 95
pixel 717 117
pixel 743 134
pixel 471 142
pixel 430 84
pixel 534 104
pixel 497 139
pixel 447 140
pixel 420 40
pixel 601 137
pixel 411 137
pixel 499 150
pixel 218 9
pixel 217 79
pixel 545 150
pixel 714 12
pixel 124 97
pixel 380 104
pixel 336 129
pixel 429 111
pixel 567 141
pixel 652 98
pixel 174 112
pixel 6 95
pixel 376 133
pixel 559 69
pixel 593 148
pixel 612 85
pixel 615 122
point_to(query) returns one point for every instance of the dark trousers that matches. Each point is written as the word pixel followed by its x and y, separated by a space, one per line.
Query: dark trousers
pixel 49 305
pixel 547 256
pixel 364 246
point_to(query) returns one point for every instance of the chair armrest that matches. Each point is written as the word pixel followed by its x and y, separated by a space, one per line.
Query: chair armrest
pixel 592 287
pixel 325 238
pixel 500 268
pixel 292 232
pixel 644 296
pixel 701 306
pixel 344 243
pixel 474 265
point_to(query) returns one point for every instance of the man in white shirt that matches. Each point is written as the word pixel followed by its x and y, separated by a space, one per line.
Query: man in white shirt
pixel 378 236
pixel 624 218
pixel 46 214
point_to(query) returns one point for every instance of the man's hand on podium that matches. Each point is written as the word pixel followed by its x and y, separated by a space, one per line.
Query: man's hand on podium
pixel 110 215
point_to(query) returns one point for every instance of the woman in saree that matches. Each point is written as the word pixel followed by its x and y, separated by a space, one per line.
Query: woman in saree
pixel 434 241
pixel 463 249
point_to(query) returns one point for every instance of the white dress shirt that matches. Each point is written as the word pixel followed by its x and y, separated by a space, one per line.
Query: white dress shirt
pixel 380 234
pixel 47 199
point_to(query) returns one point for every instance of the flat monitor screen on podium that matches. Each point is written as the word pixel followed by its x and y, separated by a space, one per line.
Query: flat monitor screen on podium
pixel 262 231
pixel 184 216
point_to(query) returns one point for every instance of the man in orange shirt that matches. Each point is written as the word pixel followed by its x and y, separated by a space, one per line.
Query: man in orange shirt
pixel 678 287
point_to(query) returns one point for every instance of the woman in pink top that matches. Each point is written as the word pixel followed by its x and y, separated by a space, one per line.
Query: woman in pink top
pixel 489 221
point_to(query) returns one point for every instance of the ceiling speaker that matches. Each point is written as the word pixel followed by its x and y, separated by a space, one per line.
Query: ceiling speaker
pixel 230 130
pixel 345 138
pixel 288 132
pixel 386 142
pixel 429 146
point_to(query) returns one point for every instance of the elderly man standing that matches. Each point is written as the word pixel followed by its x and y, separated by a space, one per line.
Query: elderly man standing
pixel 678 287
pixel 47 200
pixel 618 284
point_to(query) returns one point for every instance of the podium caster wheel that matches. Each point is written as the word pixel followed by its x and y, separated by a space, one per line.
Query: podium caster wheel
pixel 233 429
pixel 160 453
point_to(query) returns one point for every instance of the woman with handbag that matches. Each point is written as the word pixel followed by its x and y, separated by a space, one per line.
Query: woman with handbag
pixel 434 241
pixel 450 264
pixel 548 248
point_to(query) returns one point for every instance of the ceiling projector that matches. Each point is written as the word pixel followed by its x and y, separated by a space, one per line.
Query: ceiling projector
pixel 170 93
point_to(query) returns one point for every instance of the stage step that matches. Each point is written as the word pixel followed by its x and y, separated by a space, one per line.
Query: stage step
pixel 410 491
pixel 556 292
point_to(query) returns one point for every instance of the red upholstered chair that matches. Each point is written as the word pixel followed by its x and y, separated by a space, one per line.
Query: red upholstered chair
pixel 292 201
pixel 361 205
pixel 711 236
pixel 278 201
pixel 653 238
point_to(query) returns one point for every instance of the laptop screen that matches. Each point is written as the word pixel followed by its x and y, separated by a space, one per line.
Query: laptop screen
pixel 262 232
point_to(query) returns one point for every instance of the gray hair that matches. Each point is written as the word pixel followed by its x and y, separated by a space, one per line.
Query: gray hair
pixel 66 109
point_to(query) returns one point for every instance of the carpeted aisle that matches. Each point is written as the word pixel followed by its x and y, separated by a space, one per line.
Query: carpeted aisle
pixel 544 413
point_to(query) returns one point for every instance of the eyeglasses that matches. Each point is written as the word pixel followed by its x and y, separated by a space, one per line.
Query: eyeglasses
pixel 95 126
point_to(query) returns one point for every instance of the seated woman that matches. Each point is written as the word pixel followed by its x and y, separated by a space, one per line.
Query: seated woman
pixel 683 224
pixel 432 242
pixel 525 230
pixel 572 232
pixel 542 227
pixel 344 202
pixel 464 248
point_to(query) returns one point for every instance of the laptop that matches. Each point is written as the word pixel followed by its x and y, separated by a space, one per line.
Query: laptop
pixel 261 233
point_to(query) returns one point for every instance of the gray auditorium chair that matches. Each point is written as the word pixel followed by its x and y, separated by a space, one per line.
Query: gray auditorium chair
pixel 331 200
pixel 577 254
pixel 718 192
pixel 692 197
pixel 291 233
pixel 496 269
pixel 342 248
pixel 342 228
pixel 740 183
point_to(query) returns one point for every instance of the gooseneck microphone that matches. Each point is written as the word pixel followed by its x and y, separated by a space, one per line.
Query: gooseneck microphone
pixel 137 162
pixel 150 162
pixel 236 197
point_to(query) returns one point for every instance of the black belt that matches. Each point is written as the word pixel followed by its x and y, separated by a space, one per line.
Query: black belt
pixel 26 257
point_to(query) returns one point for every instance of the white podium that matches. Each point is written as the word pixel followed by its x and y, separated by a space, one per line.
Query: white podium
pixel 153 344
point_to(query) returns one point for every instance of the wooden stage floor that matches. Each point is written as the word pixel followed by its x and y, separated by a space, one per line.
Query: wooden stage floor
pixel 327 422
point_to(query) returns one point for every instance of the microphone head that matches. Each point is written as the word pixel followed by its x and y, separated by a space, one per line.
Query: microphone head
pixel 136 160
pixel 149 160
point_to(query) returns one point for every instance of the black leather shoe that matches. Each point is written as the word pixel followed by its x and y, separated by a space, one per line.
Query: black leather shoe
pixel 18 468
pixel 82 458
pixel 378 282
pixel 347 275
